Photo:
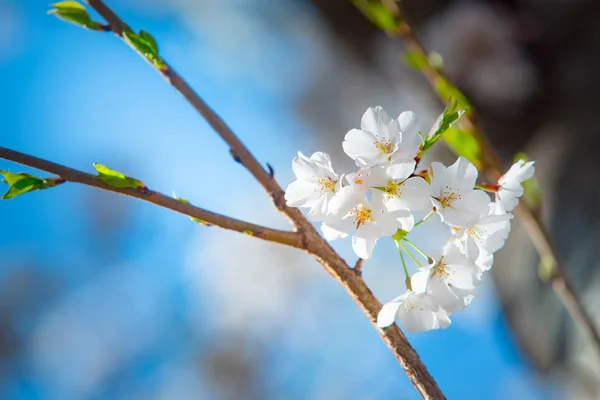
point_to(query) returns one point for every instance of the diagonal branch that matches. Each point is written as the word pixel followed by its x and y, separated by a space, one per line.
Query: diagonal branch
pixel 287 238
pixel 492 167
pixel 310 239
pixel 311 242
pixel 238 150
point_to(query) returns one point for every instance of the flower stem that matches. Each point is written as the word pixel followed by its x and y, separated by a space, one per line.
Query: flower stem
pixel 425 218
pixel 400 247
pixel 414 246
pixel 411 255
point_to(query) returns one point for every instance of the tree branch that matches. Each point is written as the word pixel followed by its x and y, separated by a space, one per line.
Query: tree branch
pixel 492 167
pixel 310 239
pixel 311 242
pixel 240 153
pixel 287 238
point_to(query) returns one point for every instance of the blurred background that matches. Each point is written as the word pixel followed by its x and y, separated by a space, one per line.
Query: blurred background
pixel 104 297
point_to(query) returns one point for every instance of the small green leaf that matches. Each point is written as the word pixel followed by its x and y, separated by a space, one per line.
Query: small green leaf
pixel 75 13
pixel 449 116
pixel 378 14
pixel 531 187
pixel 146 45
pixel 116 179
pixel 23 182
pixel 464 144
pixel 68 5
pixel 150 41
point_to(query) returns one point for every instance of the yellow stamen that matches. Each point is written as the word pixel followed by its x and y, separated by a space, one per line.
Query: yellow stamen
pixel 326 185
pixel 385 146
pixel 440 269
pixel 448 196
pixel 361 215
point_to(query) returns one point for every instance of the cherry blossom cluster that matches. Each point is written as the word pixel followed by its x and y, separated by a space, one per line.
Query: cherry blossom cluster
pixel 381 199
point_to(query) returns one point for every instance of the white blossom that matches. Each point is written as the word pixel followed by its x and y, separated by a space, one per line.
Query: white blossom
pixel 352 213
pixel 451 279
pixel 452 193
pixel 382 140
pixel 397 190
pixel 315 186
pixel 358 180
pixel 489 233
pixel 417 312
pixel 509 184
pixel 381 197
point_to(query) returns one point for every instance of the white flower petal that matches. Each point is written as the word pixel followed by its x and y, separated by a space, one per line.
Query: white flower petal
pixel 387 314
pixel 437 173
pixel 374 119
pixel 443 295
pixel 463 275
pixel 466 211
pixel 407 121
pixel 322 158
pixel 330 233
pixel 300 193
pixel 413 195
pixel 345 200
pixel 400 171
pixel 420 280
pixel 362 247
pixel 360 146
pixel 463 173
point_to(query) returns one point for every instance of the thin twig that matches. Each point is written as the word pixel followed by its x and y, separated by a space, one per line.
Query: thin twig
pixel 492 167
pixel 312 242
pixel 292 239
pixel 358 266
pixel 238 149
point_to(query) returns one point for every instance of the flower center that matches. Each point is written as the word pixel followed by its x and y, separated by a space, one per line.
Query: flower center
pixel 385 146
pixel 326 185
pixel 475 233
pixel 392 188
pixel 361 215
pixel 448 196
pixel 440 269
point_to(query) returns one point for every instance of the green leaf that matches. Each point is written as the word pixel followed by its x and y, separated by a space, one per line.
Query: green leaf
pixel 68 5
pixel 117 179
pixel 201 222
pixel 23 182
pixel 378 14
pixel 531 187
pixel 146 45
pixel 464 144
pixel 149 40
pixel 451 114
pixel 75 13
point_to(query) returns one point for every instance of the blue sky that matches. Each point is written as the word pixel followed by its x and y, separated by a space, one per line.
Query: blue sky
pixel 78 97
